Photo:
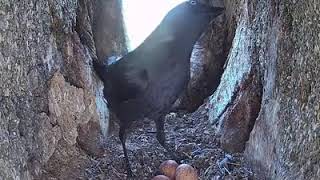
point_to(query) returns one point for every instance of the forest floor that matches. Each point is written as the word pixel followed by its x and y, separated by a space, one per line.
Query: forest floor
pixel 193 139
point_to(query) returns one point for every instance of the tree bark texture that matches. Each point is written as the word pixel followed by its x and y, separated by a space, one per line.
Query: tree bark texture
pixel 270 86
pixel 52 112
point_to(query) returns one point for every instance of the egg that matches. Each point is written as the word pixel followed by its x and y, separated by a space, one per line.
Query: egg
pixel 160 177
pixel 186 172
pixel 168 168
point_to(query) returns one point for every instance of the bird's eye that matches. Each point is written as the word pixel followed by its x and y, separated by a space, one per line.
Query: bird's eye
pixel 193 2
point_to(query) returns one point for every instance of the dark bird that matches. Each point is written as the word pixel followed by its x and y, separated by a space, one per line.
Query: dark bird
pixel 147 81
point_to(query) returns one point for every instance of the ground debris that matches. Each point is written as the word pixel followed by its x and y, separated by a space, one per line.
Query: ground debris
pixel 192 139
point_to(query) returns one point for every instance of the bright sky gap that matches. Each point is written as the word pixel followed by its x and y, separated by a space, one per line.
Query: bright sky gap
pixel 141 17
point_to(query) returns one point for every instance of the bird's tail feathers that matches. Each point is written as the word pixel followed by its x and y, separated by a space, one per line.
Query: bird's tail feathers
pixel 101 69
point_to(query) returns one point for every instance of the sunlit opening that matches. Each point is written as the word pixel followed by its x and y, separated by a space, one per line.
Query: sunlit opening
pixel 141 17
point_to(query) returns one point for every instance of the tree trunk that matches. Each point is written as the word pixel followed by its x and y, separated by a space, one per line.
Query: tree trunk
pixel 271 85
pixel 50 99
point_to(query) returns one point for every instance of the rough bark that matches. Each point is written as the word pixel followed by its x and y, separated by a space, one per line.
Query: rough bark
pixel 108 29
pixel 49 96
pixel 279 42
pixel 285 141
pixel 229 107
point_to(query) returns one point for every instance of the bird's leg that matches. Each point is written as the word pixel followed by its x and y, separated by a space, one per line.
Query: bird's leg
pixel 160 131
pixel 162 139
pixel 122 136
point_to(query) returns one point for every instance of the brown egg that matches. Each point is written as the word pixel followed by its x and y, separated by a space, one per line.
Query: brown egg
pixel 168 168
pixel 186 172
pixel 160 177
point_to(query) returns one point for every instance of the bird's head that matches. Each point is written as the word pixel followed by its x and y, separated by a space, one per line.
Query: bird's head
pixel 191 16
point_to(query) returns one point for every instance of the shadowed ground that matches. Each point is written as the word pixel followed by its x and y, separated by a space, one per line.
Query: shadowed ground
pixel 193 141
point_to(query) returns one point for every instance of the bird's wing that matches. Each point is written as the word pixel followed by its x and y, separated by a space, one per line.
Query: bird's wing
pixel 126 79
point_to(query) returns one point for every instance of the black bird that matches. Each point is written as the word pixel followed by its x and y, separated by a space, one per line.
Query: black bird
pixel 147 81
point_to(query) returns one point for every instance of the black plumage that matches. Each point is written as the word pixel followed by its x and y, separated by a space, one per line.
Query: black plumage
pixel 147 81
